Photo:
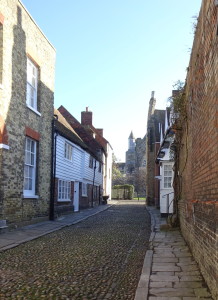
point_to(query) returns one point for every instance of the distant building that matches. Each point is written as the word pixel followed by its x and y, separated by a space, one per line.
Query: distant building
pixel 156 120
pixel 135 156
pixel 130 155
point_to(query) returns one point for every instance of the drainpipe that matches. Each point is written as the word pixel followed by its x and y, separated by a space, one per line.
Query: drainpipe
pixel 53 169
pixel 93 184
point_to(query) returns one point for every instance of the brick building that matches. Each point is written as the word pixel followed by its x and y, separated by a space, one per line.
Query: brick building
pixel 27 62
pixel 197 147
pixel 156 120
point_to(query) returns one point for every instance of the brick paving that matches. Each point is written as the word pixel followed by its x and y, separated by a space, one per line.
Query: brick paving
pixel 98 258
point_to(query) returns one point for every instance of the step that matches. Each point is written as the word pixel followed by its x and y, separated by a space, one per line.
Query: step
pixel 3 226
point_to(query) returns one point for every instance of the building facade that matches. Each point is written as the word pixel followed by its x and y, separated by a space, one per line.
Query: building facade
pixel 95 141
pixel 78 170
pixel 27 62
pixel 156 119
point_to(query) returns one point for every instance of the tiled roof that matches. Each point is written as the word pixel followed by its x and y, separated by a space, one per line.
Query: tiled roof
pixel 82 132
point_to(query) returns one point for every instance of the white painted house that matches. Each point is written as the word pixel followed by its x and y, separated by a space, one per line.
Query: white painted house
pixel 166 162
pixel 78 169
pixel 94 138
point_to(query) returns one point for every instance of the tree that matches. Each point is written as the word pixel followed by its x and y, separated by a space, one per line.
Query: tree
pixel 140 181
pixel 117 176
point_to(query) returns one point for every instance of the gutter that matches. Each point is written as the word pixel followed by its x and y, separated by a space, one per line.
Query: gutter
pixel 53 170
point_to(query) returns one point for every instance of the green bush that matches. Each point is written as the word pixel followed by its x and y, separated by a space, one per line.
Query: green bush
pixel 124 191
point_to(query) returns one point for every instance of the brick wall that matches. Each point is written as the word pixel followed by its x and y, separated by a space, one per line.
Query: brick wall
pixel 197 173
pixel 22 37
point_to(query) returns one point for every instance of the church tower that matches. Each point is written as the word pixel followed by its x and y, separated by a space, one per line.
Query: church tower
pixel 130 155
pixel 131 142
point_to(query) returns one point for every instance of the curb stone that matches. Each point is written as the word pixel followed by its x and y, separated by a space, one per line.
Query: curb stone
pixel 142 289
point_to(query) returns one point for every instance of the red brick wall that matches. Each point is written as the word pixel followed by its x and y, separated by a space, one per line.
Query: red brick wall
pixel 198 158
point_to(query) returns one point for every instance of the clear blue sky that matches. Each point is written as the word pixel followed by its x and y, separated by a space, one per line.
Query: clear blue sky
pixel 110 55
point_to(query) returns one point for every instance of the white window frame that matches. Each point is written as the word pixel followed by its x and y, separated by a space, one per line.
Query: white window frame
pixel 167 176
pixel 32 84
pixel 30 168
pixel 68 151
pixel 64 190
pixel 84 189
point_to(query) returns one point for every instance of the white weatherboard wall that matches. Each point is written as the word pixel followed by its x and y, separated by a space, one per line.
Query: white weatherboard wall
pixel 66 169
pixel 78 169
pixel 89 172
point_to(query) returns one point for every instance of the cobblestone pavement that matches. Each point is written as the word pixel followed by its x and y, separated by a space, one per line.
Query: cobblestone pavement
pixel 99 258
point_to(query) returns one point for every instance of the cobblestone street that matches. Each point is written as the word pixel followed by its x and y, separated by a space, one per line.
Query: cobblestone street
pixel 99 258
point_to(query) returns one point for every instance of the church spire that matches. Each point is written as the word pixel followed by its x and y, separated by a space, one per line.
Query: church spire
pixel 131 141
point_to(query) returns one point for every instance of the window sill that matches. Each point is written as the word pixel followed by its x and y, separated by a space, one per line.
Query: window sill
pixel 30 196
pixel 3 146
pixel 84 195
pixel 35 111
pixel 68 160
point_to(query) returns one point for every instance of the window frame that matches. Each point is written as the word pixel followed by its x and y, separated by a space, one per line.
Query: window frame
pixel 84 189
pixel 167 178
pixel 32 102
pixel 91 162
pixel 99 167
pixel 64 190
pixel 30 192
pixel 68 151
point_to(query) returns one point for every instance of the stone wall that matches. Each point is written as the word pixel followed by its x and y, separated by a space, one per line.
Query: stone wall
pixel 197 180
pixel 22 37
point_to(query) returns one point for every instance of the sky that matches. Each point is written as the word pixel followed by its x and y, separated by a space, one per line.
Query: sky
pixel 111 54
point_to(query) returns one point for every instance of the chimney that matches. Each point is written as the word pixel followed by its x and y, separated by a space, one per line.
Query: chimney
pixel 86 117
pixel 100 131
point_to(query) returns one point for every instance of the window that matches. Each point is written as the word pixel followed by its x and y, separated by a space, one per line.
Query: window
pixel 30 167
pixel 90 161
pixel 84 189
pixel 64 190
pixel 68 151
pixel 32 82
pixel 167 176
pixel 99 167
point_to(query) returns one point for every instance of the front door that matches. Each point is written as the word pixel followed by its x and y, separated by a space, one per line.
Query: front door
pixel 76 196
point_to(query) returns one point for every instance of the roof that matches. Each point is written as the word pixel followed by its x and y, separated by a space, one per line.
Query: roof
pixel 81 131
pixel 64 128
pixel 131 136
